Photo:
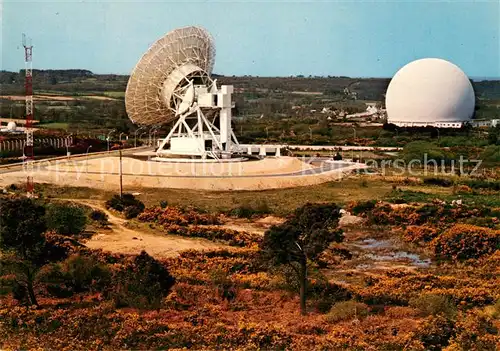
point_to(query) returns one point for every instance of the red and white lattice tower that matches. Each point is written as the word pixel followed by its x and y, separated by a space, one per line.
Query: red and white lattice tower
pixel 28 85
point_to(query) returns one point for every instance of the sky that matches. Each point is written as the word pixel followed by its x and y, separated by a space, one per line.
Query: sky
pixel 259 38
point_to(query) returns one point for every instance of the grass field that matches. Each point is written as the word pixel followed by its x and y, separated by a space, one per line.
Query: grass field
pixel 115 94
pixel 58 125
pixel 279 201
pixel 283 201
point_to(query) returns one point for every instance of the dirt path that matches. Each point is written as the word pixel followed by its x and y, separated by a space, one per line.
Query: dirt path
pixel 121 239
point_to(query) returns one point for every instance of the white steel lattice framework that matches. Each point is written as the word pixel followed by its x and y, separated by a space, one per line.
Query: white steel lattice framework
pixel 28 84
pixel 172 83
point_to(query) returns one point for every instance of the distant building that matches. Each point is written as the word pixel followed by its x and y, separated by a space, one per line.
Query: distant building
pixel 485 123
pixel 371 111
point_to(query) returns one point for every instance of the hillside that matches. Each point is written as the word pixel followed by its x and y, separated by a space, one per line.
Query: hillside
pixel 80 80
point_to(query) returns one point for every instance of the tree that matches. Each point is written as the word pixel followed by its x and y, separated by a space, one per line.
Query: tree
pixel 307 233
pixel 66 219
pixel 22 241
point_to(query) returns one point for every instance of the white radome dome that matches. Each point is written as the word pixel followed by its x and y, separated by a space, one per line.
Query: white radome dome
pixel 429 91
pixel 11 126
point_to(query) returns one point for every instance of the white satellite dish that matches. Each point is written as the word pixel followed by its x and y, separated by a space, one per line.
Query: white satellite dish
pixel 172 83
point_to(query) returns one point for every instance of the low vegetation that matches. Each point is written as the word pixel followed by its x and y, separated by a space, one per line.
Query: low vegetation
pixel 247 295
pixel 127 203
pixel 65 219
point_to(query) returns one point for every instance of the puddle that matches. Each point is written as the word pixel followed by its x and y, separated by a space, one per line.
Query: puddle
pixel 386 254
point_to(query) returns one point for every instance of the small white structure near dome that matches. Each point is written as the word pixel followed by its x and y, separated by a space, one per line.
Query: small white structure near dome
pixel 430 92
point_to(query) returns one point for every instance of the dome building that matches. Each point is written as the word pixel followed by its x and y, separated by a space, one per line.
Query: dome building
pixel 430 92
pixel 11 126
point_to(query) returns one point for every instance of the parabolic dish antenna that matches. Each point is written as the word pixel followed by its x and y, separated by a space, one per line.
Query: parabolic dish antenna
pixel 172 83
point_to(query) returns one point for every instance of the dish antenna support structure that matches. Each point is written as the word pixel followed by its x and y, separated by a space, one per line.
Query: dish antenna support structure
pixel 171 83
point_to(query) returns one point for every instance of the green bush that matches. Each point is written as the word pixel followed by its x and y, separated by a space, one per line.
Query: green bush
pixel 221 280
pixel 416 150
pixel 362 207
pixel 142 282
pixel 494 310
pixel 65 219
pixel 475 331
pixel 325 294
pixel 491 154
pixel 248 210
pixel 432 305
pixel 444 182
pixel 121 203
pixel 482 184
pixel 76 274
pixel 132 211
pixel 435 332
pixel 98 216
pixel 347 310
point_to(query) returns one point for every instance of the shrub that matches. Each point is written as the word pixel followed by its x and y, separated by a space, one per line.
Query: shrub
pixel 463 241
pixel 436 213
pixel 483 184
pixel 462 189
pixel 174 215
pixel 98 216
pixel 232 237
pixel 76 274
pixel 422 151
pixel 362 207
pixel 431 305
pixel 163 203
pixel 419 233
pixel 284 277
pixel 491 155
pixel 444 182
pixel 221 280
pixel 475 331
pixel 142 282
pixel 494 310
pixel 65 219
pixel 490 222
pixel 242 211
pixel 121 203
pixel 132 212
pixel 325 294
pixel 347 310
pixel 59 247
pixel 248 210
pixel 435 332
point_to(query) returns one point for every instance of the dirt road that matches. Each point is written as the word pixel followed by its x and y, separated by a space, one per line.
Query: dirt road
pixel 121 239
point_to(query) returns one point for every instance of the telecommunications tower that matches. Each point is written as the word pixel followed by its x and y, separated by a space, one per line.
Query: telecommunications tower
pixel 28 85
